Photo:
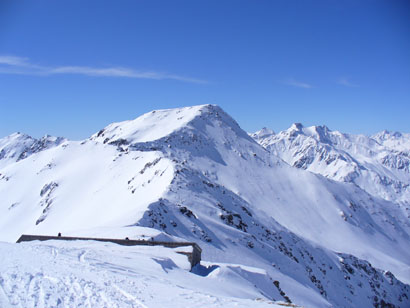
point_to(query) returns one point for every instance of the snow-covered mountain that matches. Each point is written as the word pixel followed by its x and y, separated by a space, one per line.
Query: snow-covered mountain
pixel 193 173
pixel 379 164
pixel 19 146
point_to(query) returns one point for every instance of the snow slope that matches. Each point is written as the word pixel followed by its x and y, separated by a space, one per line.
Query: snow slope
pixel 92 274
pixel 193 173
pixel 79 185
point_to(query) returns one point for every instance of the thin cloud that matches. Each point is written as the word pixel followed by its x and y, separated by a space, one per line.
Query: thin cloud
pixel 345 82
pixel 14 61
pixel 295 83
pixel 22 66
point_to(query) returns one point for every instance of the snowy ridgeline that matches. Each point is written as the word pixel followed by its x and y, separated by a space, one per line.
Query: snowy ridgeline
pixel 269 232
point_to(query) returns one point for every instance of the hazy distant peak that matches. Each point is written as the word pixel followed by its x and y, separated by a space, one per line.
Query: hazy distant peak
pixel 322 128
pixel 393 140
pixel 16 136
pixel 386 134
pixel 296 126
pixel 18 146
pixel 263 133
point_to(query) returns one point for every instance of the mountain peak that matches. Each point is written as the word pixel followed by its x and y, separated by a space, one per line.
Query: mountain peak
pixel 17 136
pixel 262 133
pixel 322 128
pixel 393 140
pixel 297 126
pixel 319 132
pixel 386 134
pixel 157 124
pixel 150 126
pixel 322 132
pixel 18 146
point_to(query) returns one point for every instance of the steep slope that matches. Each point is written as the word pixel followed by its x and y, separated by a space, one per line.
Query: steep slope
pixel 193 173
pixel 379 164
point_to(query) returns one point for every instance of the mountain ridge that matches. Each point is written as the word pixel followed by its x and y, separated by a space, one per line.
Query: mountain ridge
pixel 204 179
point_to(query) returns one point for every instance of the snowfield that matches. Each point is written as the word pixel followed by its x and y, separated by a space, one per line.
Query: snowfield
pixel 93 274
pixel 270 232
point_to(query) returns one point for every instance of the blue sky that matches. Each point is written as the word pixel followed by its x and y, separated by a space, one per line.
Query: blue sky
pixel 69 68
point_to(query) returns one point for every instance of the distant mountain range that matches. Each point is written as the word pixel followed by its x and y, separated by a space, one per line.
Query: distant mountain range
pixel 379 164
pixel 337 236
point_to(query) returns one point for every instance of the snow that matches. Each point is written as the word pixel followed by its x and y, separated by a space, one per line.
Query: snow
pixel 393 140
pixel 93 274
pixel 267 230
pixel 150 126
pixel 18 146
pixel 94 190
pixel 378 164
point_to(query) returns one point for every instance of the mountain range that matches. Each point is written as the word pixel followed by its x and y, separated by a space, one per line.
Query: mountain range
pixel 378 164
pixel 321 216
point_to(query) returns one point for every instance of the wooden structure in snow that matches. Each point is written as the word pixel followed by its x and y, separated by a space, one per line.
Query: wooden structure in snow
pixel 194 255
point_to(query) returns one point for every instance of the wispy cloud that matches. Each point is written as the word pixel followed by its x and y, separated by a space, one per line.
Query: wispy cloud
pixel 295 83
pixel 22 66
pixel 14 61
pixel 345 82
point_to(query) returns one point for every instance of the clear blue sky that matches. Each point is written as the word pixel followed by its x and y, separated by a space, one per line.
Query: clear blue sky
pixel 69 68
